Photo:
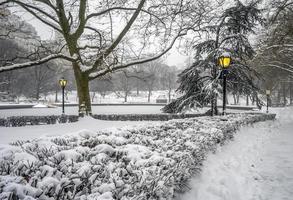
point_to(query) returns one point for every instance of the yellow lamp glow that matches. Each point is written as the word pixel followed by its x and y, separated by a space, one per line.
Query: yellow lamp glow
pixel 224 61
pixel 62 82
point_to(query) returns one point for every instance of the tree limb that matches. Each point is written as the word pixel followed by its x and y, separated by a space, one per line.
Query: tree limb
pixel 33 63
pixel 137 62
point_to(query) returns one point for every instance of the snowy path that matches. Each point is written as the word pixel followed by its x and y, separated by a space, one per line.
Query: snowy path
pixel 257 165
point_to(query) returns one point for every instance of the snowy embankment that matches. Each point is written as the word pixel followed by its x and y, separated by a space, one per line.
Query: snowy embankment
pixel 149 162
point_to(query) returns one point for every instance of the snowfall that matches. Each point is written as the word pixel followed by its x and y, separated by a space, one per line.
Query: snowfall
pixel 202 158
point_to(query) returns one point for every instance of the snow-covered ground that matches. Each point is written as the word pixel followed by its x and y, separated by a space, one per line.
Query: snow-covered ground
pixel 11 134
pixel 146 162
pixel 38 111
pixel 257 165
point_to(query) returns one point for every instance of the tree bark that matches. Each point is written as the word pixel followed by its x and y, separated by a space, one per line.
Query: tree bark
pixel 83 93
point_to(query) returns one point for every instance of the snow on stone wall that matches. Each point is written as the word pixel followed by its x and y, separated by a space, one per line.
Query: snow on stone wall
pixel 149 162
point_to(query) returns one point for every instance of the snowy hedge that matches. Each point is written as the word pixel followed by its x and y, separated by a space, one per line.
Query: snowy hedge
pixel 16 121
pixel 145 117
pixel 146 162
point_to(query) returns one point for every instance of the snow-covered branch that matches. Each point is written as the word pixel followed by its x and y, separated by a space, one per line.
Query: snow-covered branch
pixel 279 67
pixel 34 63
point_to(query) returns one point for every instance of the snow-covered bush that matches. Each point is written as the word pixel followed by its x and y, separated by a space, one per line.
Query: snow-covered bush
pixel 147 162
pixel 145 117
pixel 16 121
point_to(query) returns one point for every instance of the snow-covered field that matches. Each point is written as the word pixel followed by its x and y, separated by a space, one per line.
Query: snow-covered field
pixel 74 110
pixel 257 165
pixel 146 162
pixel 11 134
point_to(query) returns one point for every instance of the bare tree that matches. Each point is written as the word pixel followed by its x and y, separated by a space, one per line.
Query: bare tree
pixel 100 37
pixel 102 85
pixel 169 79
pixel 274 58
pixel 124 82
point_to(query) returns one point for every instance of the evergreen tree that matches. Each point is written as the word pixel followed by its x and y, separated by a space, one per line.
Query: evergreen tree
pixel 200 83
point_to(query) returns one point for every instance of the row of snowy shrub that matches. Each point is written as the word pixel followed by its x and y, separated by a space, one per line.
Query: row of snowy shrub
pixel 36 120
pixel 144 117
pixel 146 162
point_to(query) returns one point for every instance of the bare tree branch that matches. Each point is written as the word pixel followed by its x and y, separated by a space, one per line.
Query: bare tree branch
pixel 105 71
pixel 33 63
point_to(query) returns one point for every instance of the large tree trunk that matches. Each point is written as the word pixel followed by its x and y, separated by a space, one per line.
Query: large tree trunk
pixel 82 85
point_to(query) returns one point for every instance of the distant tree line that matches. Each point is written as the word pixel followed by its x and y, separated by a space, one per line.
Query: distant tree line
pixel 145 77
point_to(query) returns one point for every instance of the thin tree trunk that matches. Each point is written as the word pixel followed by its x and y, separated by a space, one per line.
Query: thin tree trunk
pixel 284 94
pixel 247 100
pixel 291 94
pixel 149 95
pixel 235 100
pixel 169 94
pixel 216 104
pixel 37 95
pixel 212 105
pixel 125 96
pixel 93 97
pixel 279 96
pixel 238 97
pixel 137 87
pixel 56 94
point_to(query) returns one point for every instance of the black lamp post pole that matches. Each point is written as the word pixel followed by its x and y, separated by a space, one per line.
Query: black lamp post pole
pixel 63 111
pixel 224 92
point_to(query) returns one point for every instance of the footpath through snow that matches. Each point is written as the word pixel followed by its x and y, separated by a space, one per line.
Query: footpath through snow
pixel 257 165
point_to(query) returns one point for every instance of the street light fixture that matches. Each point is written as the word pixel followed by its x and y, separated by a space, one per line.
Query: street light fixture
pixel 63 83
pixel 224 62
pixel 268 93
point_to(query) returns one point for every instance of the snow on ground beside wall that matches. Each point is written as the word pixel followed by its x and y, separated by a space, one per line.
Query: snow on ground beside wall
pixel 257 165
pixel 10 134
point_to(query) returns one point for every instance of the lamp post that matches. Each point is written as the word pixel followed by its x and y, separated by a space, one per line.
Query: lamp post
pixel 224 62
pixel 268 93
pixel 63 83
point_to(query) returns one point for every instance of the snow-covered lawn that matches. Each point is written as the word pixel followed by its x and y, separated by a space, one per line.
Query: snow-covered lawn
pixel 257 165
pixel 11 134
pixel 74 110
pixel 146 162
